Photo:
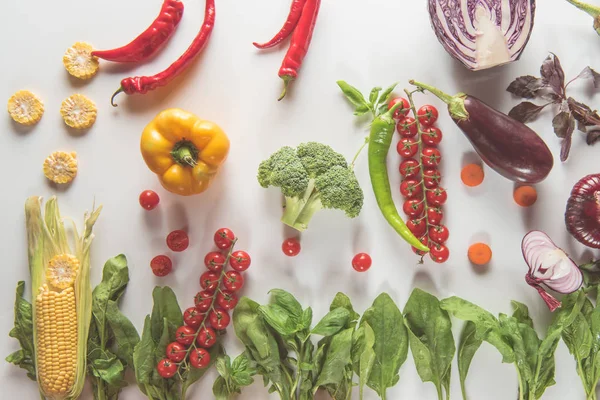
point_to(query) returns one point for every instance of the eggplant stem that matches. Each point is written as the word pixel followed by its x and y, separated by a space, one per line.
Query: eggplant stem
pixel 456 103
pixel 588 8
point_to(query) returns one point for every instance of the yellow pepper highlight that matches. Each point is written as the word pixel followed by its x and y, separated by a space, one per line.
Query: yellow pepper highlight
pixel 184 151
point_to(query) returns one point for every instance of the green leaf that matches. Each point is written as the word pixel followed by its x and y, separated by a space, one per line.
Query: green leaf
pixel 220 389
pixel 143 355
pixel 286 301
pixel 384 98
pixel 362 110
pixel 341 300
pixel 521 313
pixel 353 95
pixel 279 319
pixel 578 337
pixel 194 374
pixel 336 359
pixel 374 95
pixel 115 277
pixel 165 307
pixel 467 347
pixel 110 370
pixel 23 332
pixel 333 322
pixel 307 316
pixel 367 358
pixel 125 335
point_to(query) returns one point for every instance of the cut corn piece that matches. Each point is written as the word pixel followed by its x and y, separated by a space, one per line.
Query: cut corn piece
pixel 25 107
pixel 62 270
pixel 78 111
pixel 61 167
pixel 79 62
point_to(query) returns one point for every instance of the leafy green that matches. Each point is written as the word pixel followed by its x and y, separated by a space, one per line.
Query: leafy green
pixel 333 322
pixel 467 347
pixel 232 376
pixel 366 358
pixel 23 332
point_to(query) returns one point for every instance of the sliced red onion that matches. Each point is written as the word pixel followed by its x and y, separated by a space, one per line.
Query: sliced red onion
pixel 549 265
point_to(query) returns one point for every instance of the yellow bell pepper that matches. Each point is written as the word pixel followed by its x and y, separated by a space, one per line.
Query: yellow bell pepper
pixel 184 151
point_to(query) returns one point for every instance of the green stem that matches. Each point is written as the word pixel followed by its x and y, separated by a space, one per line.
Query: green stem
pixel 101 394
pixel 456 103
pixel 358 152
pixel 439 392
pixel 185 153
pixel 521 388
pixel 588 8
pixel 298 380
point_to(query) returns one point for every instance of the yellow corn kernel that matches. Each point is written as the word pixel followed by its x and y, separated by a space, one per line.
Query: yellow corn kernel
pixel 61 273
pixel 25 107
pixel 61 167
pixel 78 111
pixel 79 62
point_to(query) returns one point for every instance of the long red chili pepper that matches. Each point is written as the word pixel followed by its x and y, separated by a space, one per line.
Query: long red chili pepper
pixel 300 43
pixel 151 40
pixel 288 27
pixel 143 84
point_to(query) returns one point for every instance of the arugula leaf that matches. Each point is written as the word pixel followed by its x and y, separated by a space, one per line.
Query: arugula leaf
pixel 467 347
pixel 23 332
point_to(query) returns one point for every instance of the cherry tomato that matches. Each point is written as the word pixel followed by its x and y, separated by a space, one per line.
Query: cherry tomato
pixel 413 208
pixel 439 234
pixel 436 197
pixel 149 200
pixel 417 226
pixel 432 136
pixel 407 147
pixel 361 262
pixel 214 261
pixel 427 115
pixel 166 368
pixel 402 110
pixel 203 301
pixel 176 352
pixel 219 318
pixel 193 318
pixel 199 358
pixel 431 157
pixel 431 178
pixel 434 215
pixel 240 261
pixel 206 338
pixel 178 241
pixel 209 281
pixel 411 188
pixel 233 281
pixel 409 168
pixel 227 299
pixel 407 127
pixel 291 247
pixel 224 238
pixel 439 253
pixel 185 335
pixel 425 241
pixel 161 265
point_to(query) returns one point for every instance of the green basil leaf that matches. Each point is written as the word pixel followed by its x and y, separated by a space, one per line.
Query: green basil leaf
pixel 373 96
pixel 288 302
pixel 23 332
pixel 220 389
pixel 279 319
pixel 223 365
pixel 333 322
pixel 307 316
pixel 341 300
pixel 353 95
pixel 241 363
pixel 467 347
pixel 387 93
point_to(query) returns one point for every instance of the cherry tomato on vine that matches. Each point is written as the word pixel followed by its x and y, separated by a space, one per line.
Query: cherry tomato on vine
pixel 431 157
pixel 149 200
pixel 206 338
pixel 439 253
pixel 409 168
pixel 227 299
pixel 431 178
pixel 291 247
pixel 407 127
pixel 411 188
pixel 178 240
pixel 425 241
pixel 233 281
pixel 439 234
pixel 432 136
pixel 361 262
pixel 199 358
pixel 417 226
pixel 166 368
pixel 219 318
pixel 193 318
pixel 209 281
pixel 434 215
pixel 407 147
pixel 436 197
pixel 414 207
pixel 214 261
pixel 402 110
pixel 161 265
pixel 240 260
pixel 185 335
pixel 203 301
pixel 176 352
pixel 427 115
pixel 224 238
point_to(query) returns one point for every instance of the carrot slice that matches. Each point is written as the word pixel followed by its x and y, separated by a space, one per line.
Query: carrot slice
pixel 525 196
pixel 479 253
pixel 472 175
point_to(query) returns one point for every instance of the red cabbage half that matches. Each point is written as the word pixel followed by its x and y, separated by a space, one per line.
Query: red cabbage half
pixel 483 33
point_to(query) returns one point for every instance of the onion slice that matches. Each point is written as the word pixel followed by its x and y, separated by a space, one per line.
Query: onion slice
pixel 549 265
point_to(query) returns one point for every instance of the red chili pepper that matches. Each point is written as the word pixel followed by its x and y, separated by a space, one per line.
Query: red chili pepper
pixel 288 27
pixel 300 43
pixel 143 84
pixel 151 40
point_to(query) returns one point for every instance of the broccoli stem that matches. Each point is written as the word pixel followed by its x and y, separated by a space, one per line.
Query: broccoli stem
pixel 299 211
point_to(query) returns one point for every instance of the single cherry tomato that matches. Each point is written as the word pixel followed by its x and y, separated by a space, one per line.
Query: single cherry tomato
pixel 178 241
pixel 431 157
pixel 427 115
pixel 227 299
pixel 431 178
pixel 206 338
pixel 209 281
pixel 203 301
pixel 436 197
pixel 185 335
pixel 291 247
pixel 161 265
pixel 439 253
pixel 439 234
pixel 224 238
pixel 417 226
pixel 240 261
pixel 411 188
pixel 409 168
pixel 361 262
pixel 176 352
pixel 425 241
pixel 434 215
pixel 407 127
pixel 214 261
pixel 199 358
pixel 193 318
pixel 149 200
pixel 407 147
pixel 413 208
pixel 219 318
pixel 233 281
pixel 402 110
pixel 432 136
pixel 166 368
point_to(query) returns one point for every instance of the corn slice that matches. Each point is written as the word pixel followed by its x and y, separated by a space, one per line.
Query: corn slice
pixel 79 62
pixel 61 167
pixel 78 111
pixel 62 270
pixel 25 107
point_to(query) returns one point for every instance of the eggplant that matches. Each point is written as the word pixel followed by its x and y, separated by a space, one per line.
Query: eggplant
pixel 508 146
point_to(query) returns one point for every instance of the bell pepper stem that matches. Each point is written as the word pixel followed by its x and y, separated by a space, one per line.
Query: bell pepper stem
pixel 185 153
pixel 456 103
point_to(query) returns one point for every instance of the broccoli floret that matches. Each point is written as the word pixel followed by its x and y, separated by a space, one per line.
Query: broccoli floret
pixel 311 177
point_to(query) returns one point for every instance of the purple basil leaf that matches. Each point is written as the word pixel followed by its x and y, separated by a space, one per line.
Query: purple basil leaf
pixel 583 113
pixel 553 74
pixel 593 135
pixel 581 127
pixel 587 73
pixel 563 124
pixel 525 86
pixel 565 149
pixel 525 111
pixel 549 95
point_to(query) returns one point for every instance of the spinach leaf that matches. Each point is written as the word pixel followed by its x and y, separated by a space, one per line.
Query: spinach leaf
pixel 165 307
pixel 341 300
pixel 467 347
pixel 367 357
pixel 333 373
pixel 23 332
pixel 521 313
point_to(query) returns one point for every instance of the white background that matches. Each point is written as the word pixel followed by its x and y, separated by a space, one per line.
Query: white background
pixel 368 44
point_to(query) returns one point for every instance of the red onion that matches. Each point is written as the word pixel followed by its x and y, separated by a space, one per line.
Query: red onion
pixel 551 266
pixel 583 211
